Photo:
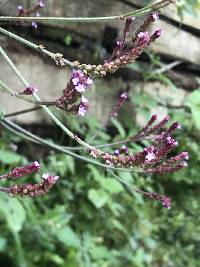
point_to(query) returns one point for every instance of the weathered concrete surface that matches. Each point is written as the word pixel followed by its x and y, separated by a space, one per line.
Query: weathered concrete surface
pixel 51 80
pixel 174 41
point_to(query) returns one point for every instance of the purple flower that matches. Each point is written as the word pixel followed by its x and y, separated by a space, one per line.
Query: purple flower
pixel 49 177
pixel 150 156
pixel 157 33
pixel 143 38
pixel 30 90
pixel 166 201
pixel 34 24
pixel 37 14
pixel 20 9
pixel 84 99
pixel 80 81
pixel 89 81
pixel 125 149
pixel 25 170
pixel 124 95
pixel 116 152
pixel 82 110
pixel 155 16
pixel 80 88
pixel 41 3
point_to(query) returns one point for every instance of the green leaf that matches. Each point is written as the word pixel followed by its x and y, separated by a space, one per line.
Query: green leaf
pixel 111 185
pixel 193 101
pixel 68 237
pixel 97 197
pixel 8 157
pixel 119 127
pixel 13 211
pixel 100 252
pixel 2 243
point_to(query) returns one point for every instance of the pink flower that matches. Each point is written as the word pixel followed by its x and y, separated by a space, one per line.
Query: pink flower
pixel 150 156
pixel 81 110
pixel 41 3
pixel 25 170
pixel 30 90
pixel 80 88
pixel 34 24
pixel 155 16
pixel 124 95
pixel 143 38
pixel 89 81
pixel 47 176
pixel 84 99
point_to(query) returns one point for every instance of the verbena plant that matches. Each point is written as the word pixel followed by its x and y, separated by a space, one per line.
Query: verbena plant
pixel 153 159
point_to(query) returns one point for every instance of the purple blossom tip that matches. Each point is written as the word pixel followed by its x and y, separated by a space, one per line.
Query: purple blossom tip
pixel 116 152
pixel 49 177
pixel 20 8
pixel 184 164
pixel 166 201
pixel 41 3
pixel 30 90
pixel 157 33
pixel 80 81
pixel 166 118
pixel 185 155
pixel 124 95
pixel 34 24
pixel 144 37
pixel 154 117
pixel 81 111
pixel 155 16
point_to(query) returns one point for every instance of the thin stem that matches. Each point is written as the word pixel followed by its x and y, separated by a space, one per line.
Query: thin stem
pixel 141 11
pixel 4 176
pixel 38 48
pixel 4 189
pixel 21 112
pixel 53 117
pixel 14 93
pixel 34 138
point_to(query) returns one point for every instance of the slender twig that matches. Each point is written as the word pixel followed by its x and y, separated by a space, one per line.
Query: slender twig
pixel 166 67
pixel 21 112
pixel 39 48
pixel 14 93
pixel 53 117
pixel 145 10
pixel 4 189
pixel 11 126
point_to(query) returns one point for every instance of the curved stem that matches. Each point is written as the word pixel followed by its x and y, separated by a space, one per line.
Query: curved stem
pixel 14 93
pixel 53 117
pixel 150 8
pixel 34 138
pixel 39 48
pixel 21 112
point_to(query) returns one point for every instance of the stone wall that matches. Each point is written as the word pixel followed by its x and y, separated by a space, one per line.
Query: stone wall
pixel 89 43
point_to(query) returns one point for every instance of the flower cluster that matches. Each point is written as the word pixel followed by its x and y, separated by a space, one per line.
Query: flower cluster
pixel 29 90
pixel 35 9
pixel 30 190
pixel 25 170
pixel 73 100
pixel 122 98
pixel 124 54
pixel 34 190
pixel 153 158
pixel 166 201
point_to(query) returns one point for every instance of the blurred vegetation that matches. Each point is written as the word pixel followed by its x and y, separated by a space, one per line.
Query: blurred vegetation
pixel 89 219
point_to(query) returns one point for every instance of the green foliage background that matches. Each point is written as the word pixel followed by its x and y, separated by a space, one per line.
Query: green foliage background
pixel 89 219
